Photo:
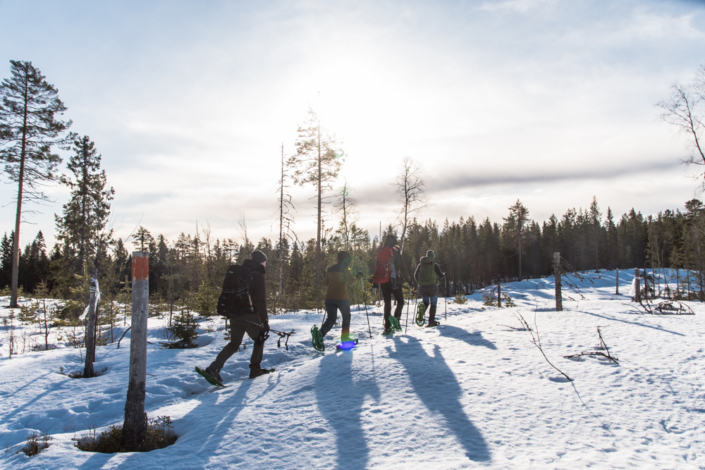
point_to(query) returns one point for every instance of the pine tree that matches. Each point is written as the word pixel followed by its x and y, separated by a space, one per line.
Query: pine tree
pixel 28 126
pixel 86 214
pixel 316 162
pixel 518 217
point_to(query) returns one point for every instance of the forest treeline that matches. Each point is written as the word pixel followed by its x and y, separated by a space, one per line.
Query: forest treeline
pixel 189 270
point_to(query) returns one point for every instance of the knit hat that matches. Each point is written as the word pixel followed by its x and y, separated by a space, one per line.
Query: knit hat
pixel 342 256
pixel 390 241
pixel 430 254
pixel 258 257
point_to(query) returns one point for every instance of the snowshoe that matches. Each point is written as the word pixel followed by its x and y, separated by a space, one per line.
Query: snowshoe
pixel 254 373
pixel 317 339
pixel 433 323
pixel 210 378
pixel 394 322
pixel 388 331
pixel 421 314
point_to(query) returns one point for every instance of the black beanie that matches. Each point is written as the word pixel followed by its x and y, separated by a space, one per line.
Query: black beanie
pixel 342 256
pixel 258 257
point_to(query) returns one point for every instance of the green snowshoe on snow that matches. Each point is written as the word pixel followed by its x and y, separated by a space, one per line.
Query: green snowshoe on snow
pixel 209 378
pixel 421 314
pixel 394 323
pixel 317 339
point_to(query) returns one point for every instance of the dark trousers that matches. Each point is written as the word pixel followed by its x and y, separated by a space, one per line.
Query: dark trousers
pixel 237 332
pixel 387 293
pixel 332 307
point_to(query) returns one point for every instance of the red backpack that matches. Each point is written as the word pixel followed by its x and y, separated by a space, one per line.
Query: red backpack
pixel 385 265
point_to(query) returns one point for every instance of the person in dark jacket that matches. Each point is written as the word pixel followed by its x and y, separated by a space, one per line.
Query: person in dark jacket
pixel 336 282
pixel 256 264
pixel 427 275
pixel 393 286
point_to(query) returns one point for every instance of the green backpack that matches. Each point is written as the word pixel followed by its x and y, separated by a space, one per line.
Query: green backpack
pixel 427 273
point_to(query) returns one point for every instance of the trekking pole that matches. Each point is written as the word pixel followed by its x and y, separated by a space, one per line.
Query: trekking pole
pixel 407 309
pixel 445 301
pixel 369 328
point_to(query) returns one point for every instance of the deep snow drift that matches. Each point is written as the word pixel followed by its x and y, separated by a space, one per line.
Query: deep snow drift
pixel 473 392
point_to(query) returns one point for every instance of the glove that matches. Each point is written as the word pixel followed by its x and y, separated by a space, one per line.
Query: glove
pixel 265 327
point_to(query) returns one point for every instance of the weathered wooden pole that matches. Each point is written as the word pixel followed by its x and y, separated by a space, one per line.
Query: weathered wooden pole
pixel 637 286
pixel 135 418
pixel 499 292
pixel 90 328
pixel 557 276
pixel 616 292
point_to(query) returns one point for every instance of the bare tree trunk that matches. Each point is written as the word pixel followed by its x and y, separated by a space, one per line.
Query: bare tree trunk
pixel 90 328
pixel 318 225
pixel 135 423
pixel 557 276
pixel 637 286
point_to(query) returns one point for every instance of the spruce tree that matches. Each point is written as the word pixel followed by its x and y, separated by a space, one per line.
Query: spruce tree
pixel 29 129
pixel 86 214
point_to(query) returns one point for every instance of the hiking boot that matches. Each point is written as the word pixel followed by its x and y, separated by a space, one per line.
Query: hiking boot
pixel 215 373
pixel 432 314
pixel 259 371
pixel 388 331
pixel 432 323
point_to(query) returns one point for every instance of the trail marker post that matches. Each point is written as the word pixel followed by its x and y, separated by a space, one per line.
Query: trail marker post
pixel 557 276
pixel 616 291
pixel 135 417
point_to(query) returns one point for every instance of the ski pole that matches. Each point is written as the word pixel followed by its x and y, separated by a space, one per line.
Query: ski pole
pixel 369 328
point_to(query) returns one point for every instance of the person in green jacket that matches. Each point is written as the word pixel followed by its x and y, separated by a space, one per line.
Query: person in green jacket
pixel 336 282
pixel 427 275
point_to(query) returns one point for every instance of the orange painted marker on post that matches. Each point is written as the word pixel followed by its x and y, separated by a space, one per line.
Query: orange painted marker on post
pixel 140 266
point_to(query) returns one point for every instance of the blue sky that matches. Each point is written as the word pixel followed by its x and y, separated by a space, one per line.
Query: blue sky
pixel 550 102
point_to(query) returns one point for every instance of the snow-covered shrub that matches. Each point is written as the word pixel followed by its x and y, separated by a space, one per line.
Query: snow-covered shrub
pixel 36 443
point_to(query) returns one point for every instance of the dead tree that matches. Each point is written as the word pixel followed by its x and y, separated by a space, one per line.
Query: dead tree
pixel 91 327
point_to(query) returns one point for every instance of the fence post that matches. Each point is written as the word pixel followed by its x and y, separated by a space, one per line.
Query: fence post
pixel 637 285
pixel 135 418
pixel 90 328
pixel 616 292
pixel 557 275
pixel 499 292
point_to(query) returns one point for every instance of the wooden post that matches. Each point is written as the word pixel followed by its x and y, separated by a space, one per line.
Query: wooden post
pixel 557 276
pixel 616 292
pixel 90 328
pixel 637 285
pixel 135 418
pixel 499 292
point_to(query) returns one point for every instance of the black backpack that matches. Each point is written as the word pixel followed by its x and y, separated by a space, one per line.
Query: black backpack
pixel 235 298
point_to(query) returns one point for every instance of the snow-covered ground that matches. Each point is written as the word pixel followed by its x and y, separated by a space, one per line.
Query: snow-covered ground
pixel 471 393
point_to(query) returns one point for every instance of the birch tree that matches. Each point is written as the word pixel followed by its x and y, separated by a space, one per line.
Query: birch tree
pixel 410 190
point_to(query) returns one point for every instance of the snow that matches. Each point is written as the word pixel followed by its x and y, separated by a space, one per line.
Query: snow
pixel 473 392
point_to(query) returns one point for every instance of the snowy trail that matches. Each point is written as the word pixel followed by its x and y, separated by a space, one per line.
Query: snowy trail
pixel 470 393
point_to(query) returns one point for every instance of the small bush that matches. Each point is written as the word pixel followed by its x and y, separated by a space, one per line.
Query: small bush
pixel 460 299
pixel 159 434
pixel 36 443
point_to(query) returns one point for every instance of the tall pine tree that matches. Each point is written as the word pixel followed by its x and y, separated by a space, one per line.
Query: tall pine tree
pixel 29 129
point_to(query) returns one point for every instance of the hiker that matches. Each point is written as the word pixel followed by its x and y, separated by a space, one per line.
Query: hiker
pixel 336 282
pixel 256 290
pixel 427 275
pixel 388 256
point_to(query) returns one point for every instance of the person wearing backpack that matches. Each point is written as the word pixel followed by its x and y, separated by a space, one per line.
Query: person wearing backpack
pixel 250 320
pixel 388 274
pixel 336 282
pixel 427 275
